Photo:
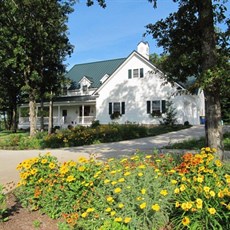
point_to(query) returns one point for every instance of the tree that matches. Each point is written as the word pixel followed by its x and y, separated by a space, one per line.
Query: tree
pixel 41 44
pixel 196 50
pixel 170 114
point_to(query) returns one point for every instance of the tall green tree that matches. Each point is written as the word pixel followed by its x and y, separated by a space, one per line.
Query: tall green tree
pixel 196 49
pixel 40 33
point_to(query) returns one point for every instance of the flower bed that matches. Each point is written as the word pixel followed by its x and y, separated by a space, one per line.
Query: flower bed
pixel 140 192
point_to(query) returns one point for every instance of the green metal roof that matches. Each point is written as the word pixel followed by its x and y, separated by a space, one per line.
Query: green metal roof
pixel 94 71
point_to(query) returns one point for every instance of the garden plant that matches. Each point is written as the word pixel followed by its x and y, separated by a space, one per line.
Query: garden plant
pixel 155 191
pixel 79 135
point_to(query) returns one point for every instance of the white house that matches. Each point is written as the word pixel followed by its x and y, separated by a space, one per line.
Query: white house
pixel 132 87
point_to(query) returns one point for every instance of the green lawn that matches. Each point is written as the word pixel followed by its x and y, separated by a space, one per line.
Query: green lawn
pixel 194 144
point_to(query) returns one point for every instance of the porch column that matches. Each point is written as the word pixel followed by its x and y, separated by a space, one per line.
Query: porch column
pixel 59 115
pixel 82 114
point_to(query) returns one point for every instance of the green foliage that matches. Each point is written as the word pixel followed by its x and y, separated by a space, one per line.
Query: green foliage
pixel 3 209
pixel 170 114
pixel 34 46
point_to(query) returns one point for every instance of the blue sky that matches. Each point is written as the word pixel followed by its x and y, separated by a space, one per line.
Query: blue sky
pixel 114 32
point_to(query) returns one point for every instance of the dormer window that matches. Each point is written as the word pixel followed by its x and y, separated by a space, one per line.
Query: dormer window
pixel 84 88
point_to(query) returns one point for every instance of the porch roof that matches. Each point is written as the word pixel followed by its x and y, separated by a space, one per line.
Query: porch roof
pixel 76 98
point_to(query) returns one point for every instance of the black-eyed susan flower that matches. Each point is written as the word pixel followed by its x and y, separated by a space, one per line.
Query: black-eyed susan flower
pixel 185 221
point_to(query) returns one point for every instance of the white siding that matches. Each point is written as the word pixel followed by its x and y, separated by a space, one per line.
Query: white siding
pixel 135 92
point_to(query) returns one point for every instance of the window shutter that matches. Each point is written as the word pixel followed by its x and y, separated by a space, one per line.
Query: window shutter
pixel 148 106
pixel 129 74
pixel 141 72
pixel 110 108
pixel 163 106
pixel 122 107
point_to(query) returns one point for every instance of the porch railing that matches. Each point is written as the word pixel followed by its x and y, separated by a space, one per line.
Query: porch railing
pixel 24 122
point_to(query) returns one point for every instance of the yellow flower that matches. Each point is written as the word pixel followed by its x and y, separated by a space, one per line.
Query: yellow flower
pixel 176 190
pixel 174 181
pixel 200 179
pixel 143 205
pixel 72 163
pixel 70 178
pixel 141 166
pixel 112 213
pixel 118 219
pixel 143 191
pixel 117 190
pixel 120 205
pixel 110 199
pixel 206 189
pixel 81 168
pixel 113 182
pixel 207 149
pixel 123 160
pixel 106 181
pixel 82 160
pixel 43 161
pixel 218 163
pixel 212 193
pixel 90 210
pixel 140 174
pixel 156 207
pixel 127 220
pixel 212 211
pixel 33 171
pixel 182 187
pixel 51 165
pixel 185 221
pixel 164 192
pixel 177 204
pixel 148 156
pixel 121 180
pixel 108 209
pixel 113 172
pixel 84 214
pixel 186 205
pixel 127 173
pixel 220 194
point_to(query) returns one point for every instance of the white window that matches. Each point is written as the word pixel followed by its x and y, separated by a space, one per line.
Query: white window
pixel 156 106
pixel 135 73
pixel 117 107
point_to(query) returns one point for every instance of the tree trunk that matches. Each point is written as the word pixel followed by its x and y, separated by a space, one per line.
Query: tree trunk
pixel 50 128
pixel 14 118
pixel 213 129
pixel 32 106
pixel 42 114
pixel 214 134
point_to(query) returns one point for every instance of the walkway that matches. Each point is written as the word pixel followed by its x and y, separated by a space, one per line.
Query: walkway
pixel 9 159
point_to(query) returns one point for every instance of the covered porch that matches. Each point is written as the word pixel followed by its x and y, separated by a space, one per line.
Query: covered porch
pixel 67 111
